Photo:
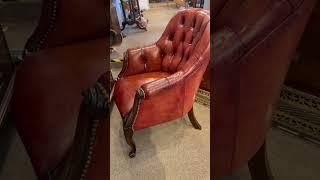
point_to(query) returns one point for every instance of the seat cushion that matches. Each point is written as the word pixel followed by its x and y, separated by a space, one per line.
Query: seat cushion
pixel 125 88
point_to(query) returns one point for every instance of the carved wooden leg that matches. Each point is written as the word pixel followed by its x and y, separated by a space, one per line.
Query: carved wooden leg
pixel 128 133
pixel 259 165
pixel 193 119
pixel 129 120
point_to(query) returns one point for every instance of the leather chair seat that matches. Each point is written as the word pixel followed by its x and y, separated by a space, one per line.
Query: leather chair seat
pixel 126 88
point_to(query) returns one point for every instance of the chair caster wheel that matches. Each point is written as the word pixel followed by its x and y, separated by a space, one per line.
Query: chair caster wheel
pixel 132 154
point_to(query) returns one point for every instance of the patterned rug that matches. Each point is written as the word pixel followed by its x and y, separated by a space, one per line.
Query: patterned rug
pixel 203 97
pixel 299 113
pixel 296 112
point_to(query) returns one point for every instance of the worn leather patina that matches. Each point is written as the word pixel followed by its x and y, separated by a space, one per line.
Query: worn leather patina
pixel 64 58
pixel 253 43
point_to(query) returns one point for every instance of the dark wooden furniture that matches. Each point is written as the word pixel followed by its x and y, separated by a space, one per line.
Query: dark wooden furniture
pixel 253 45
pixel 135 15
pixel 115 30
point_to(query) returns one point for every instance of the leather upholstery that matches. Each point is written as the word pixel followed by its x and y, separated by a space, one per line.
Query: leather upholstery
pixel 98 166
pixel 217 6
pixel 303 73
pixel 64 22
pixel 69 51
pixel 126 88
pixel 89 16
pixel 47 98
pixel 251 55
pixel 169 71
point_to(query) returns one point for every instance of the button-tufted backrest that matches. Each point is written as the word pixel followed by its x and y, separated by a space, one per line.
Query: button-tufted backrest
pixel 187 34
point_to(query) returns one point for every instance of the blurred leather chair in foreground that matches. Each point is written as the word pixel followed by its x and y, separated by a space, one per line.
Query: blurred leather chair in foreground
pixel 64 58
pixel 253 43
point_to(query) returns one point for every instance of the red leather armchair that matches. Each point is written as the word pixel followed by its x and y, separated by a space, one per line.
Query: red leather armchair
pixel 158 82
pixel 253 43
pixel 65 56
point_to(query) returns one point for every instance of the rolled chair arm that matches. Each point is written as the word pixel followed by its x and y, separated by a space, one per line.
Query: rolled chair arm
pixel 175 80
pixel 159 85
pixel 96 100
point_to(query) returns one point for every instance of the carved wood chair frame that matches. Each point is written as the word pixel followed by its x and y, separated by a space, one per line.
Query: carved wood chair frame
pixel 129 119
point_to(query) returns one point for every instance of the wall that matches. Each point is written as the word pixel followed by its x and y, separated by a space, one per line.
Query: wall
pixel 144 4
pixel 206 5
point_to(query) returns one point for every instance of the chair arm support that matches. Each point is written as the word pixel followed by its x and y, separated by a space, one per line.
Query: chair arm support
pixel 96 100
pixel 159 85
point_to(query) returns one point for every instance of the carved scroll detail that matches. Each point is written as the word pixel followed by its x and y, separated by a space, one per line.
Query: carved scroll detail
pixel 129 120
